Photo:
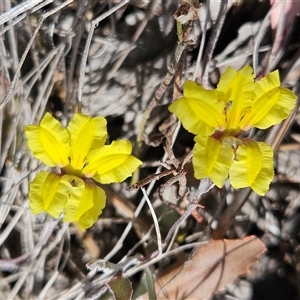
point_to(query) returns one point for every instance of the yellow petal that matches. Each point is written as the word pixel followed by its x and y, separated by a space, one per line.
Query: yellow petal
pixel 236 90
pixel 112 163
pixel 86 134
pixel 212 159
pixel 49 142
pixel 271 104
pixel 77 204
pixel 48 194
pixel 97 196
pixel 253 167
pixel 85 204
pixel 199 110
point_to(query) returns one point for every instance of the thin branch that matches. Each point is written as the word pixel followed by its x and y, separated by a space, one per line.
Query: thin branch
pixel 9 264
pixel 198 69
pixel 17 73
pixel 158 234
pixel 17 10
pixel 259 37
pixel 210 48
pixel 204 187
pixel 94 24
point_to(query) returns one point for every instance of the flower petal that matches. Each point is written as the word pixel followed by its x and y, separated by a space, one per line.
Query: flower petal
pixel 271 104
pixel 79 201
pixel 86 134
pixel 112 163
pixel 47 193
pixel 49 142
pixel 96 197
pixel 212 159
pixel 236 90
pixel 199 110
pixel 253 167
pixel 85 204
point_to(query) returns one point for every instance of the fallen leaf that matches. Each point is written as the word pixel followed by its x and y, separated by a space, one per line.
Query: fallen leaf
pixel 211 268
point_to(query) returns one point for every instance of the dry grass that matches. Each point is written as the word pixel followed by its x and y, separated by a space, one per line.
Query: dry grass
pixel 110 57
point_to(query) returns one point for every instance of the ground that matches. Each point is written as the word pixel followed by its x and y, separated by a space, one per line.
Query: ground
pixel 112 58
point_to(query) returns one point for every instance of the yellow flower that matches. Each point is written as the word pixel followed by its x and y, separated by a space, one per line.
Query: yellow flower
pixel 219 119
pixel 81 158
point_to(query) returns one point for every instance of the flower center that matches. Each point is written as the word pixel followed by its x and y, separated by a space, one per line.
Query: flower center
pixel 221 134
pixel 69 170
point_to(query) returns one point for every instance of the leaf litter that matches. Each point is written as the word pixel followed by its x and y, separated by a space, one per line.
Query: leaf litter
pixel 110 57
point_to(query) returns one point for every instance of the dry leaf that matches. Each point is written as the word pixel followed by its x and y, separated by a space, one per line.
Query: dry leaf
pixel 211 268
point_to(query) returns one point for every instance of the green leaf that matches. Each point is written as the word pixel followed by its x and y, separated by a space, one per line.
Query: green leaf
pixel 120 287
pixel 150 284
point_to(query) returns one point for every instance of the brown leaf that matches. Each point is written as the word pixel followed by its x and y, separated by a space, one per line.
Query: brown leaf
pixel 187 11
pixel 211 268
